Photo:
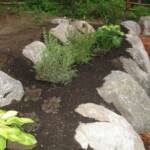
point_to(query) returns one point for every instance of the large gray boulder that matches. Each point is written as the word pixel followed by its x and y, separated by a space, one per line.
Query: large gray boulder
pixel 133 27
pixel 129 98
pixel 131 67
pixel 10 89
pixel 63 31
pixel 138 52
pixel 34 51
pixel 109 132
pixel 145 23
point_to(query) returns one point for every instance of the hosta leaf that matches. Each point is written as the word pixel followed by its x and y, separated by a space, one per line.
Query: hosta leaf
pixel 2 143
pixel 9 114
pixel 16 135
pixel 18 121
pixel 2 112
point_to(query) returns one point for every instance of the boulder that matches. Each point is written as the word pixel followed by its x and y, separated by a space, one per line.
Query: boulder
pixel 10 89
pixel 60 20
pixel 109 132
pixel 138 52
pixel 137 73
pixel 145 23
pixel 129 98
pixel 34 51
pixel 83 26
pixel 133 27
pixel 63 31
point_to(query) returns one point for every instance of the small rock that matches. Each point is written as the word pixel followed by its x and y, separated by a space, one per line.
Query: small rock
pixel 33 94
pixel 33 126
pixel 34 51
pixel 51 105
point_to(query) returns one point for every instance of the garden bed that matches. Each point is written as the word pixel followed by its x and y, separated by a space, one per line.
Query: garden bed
pixel 55 130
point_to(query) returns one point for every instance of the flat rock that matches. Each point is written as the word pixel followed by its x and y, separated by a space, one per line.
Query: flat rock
pixel 10 89
pixel 109 132
pixel 34 51
pixel 129 98
pixel 133 27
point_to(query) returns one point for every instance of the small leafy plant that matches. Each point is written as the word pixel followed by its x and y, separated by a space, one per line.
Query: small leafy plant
pixel 108 37
pixel 11 129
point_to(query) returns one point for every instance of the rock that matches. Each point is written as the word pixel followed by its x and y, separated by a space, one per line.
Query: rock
pixel 34 126
pixel 137 73
pixel 129 98
pixel 138 52
pixel 34 51
pixel 10 89
pixel 60 20
pixel 145 23
pixel 109 132
pixel 83 26
pixel 133 27
pixel 32 94
pixel 63 31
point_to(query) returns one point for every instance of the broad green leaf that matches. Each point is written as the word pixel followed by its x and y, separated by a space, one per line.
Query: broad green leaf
pixel 2 112
pixel 2 143
pixel 9 114
pixel 14 134
pixel 18 121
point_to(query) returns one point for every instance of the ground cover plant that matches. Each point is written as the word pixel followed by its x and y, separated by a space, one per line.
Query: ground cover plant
pixel 11 129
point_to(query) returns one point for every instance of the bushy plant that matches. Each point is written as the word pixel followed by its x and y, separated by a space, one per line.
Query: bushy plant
pixel 11 129
pixel 108 10
pixel 138 11
pixel 107 37
pixel 57 62
pixel 81 47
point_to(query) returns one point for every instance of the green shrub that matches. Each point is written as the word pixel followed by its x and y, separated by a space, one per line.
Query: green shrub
pixel 56 64
pixel 81 47
pixel 107 37
pixel 138 11
pixel 11 129
pixel 108 10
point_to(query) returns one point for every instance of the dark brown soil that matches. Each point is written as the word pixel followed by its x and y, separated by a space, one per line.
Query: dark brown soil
pixel 55 131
